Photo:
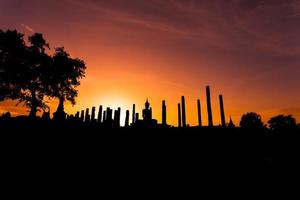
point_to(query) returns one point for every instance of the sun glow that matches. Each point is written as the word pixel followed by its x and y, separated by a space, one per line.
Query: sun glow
pixel 114 102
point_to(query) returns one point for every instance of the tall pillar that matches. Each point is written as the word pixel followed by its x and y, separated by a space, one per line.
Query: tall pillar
pixel 104 116
pixel 222 111
pixel 209 112
pixel 82 116
pixel 199 113
pixel 93 114
pixel 133 114
pixel 100 114
pixel 77 115
pixel 118 119
pixel 87 115
pixel 115 117
pixel 183 112
pixel 164 112
pixel 127 118
pixel 179 115
pixel 109 114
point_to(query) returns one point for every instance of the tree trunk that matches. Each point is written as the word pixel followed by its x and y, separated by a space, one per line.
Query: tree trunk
pixel 33 107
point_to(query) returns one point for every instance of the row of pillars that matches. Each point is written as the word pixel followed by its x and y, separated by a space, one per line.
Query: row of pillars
pixel 103 116
pixel 106 115
pixel 182 112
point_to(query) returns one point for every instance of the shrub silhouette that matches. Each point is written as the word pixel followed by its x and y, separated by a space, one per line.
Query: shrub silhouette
pixel 251 121
pixel 282 122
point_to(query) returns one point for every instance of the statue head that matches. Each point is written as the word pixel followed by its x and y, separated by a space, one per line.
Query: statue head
pixel 147 104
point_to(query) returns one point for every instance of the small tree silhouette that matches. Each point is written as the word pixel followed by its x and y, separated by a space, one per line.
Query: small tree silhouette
pixel 64 76
pixel 282 122
pixel 251 121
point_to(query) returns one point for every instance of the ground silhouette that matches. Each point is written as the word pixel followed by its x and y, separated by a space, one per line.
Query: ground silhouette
pixel 190 145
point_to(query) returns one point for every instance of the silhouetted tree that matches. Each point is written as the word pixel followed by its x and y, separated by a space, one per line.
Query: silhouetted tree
pixel 12 64
pixel 22 69
pixel 282 122
pixel 28 73
pixel 64 77
pixel 251 121
pixel 34 87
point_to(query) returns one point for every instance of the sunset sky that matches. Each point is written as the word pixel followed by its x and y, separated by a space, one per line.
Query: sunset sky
pixel 247 50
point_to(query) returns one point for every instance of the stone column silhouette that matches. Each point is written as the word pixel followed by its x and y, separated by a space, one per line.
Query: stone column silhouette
pixel 82 116
pixel 115 118
pixel 209 112
pixel 100 114
pixel 164 113
pixel 104 116
pixel 179 115
pixel 87 115
pixel 119 117
pixel 93 114
pixel 136 117
pixel 199 113
pixel 183 111
pixel 108 114
pixel 77 115
pixel 223 121
pixel 127 118
pixel 133 114
pixel 115 115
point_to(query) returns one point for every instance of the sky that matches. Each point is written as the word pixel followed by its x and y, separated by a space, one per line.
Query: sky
pixel 249 51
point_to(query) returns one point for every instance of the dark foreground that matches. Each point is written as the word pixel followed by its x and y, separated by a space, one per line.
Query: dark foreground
pixel 140 150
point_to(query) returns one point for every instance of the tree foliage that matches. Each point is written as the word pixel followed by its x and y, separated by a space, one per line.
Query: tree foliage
pixel 65 75
pixel 12 64
pixel 282 122
pixel 251 121
pixel 29 74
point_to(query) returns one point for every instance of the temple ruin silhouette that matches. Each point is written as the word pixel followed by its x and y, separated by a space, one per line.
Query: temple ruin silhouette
pixel 112 118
